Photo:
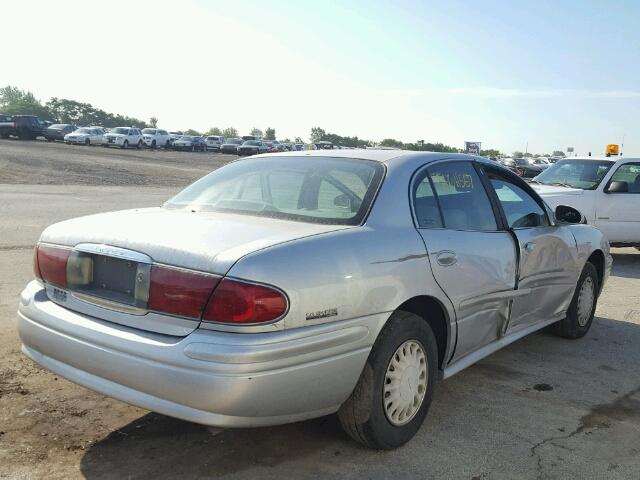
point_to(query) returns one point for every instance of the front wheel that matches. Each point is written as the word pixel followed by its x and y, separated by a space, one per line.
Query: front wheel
pixel 87 142
pixel 583 306
pixel 394 391
pixel 125 144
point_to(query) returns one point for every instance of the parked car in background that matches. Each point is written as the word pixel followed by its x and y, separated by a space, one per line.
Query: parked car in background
pixel 156 137
pixel 231 145
pixel 190 143
pixel 605 190
pixel 123 137
pixel 225 292
pixel 26 127
pixel 175 135
pixel 58 131
pixel 252 147
pixel 526 167
pixel 214 142
pixel 85 136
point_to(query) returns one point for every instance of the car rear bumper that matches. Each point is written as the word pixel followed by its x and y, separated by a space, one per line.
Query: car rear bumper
pixel 209 377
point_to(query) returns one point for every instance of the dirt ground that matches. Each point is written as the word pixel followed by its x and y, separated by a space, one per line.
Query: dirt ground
pixel 541 408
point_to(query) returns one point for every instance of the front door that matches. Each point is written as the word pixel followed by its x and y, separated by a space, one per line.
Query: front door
pixel 548 260
pixel 473 261
pixel 618 213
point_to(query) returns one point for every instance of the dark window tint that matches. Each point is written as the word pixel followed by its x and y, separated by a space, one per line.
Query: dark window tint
pixel 462 198
pixel 520 208
pixel 426 205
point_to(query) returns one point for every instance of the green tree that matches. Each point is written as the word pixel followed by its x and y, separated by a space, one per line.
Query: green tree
pixel 14 101
pixel 298 140
pixel 317 134
pixel 256 132
pixel 492 152
pixel 230 132
pixel 517 154
pixel 558 153
pixel 286 140
pixel 153 122
pixel 192 132
pixel 392 142
pixel 270 133
pixel 214 131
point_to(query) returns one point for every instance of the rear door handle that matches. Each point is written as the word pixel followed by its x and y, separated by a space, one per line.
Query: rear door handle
pixel 446 258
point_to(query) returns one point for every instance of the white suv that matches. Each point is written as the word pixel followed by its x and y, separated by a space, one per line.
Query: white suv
pixel 156 137
pixel 123 137
pixel 214 142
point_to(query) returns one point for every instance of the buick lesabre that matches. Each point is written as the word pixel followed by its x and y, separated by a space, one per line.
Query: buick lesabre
pixel 294 285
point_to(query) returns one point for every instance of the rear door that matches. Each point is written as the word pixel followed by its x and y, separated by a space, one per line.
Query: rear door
pixel 548 262
pixel 472 257
pixel 618 213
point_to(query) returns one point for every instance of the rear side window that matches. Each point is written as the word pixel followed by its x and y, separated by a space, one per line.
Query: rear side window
pixel 426 205
pixel 520 208
pixel 460 196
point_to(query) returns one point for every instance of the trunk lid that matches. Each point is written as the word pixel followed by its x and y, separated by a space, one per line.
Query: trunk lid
pixel 122 245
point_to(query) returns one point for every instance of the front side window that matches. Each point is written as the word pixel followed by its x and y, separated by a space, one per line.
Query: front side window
pixel 319 190
pixel 520 208
pixel 462 197
pixel 629 174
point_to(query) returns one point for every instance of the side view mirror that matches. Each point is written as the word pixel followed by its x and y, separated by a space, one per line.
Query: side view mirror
pixel 342 200
pixel 566 214
pixel 617 187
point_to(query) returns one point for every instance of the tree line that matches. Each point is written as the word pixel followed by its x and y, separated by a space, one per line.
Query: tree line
pixel 14 101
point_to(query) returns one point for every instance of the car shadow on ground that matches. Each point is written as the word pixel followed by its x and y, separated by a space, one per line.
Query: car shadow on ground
pixel 625 265
pixel 503 389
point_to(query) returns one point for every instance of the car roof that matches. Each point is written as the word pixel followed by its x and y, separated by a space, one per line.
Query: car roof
pixel 383 156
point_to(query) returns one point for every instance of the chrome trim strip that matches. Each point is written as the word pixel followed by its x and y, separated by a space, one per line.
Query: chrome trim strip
pixel 110 251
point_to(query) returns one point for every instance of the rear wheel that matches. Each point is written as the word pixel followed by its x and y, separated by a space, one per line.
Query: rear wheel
pixel 87 142
pixel 394 391
pixel 153 145
pixel 167 145
pixel 24 134
pixel 583 306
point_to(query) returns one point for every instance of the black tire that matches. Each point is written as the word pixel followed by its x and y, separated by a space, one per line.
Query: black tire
pixel 24 134
pixel 167 145
pixel 87 142
pixel 153 145
pixel 363 415
pixel 139 144
pixel 49 140
pixel 571 327
pixel 125 144
pixel 193 149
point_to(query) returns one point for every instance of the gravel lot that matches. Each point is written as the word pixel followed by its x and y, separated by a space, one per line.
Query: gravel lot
pixel 542 408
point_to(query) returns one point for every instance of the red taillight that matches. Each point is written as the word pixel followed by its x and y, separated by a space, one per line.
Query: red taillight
pixel 239 302
pixel 179 292
pixel 50 264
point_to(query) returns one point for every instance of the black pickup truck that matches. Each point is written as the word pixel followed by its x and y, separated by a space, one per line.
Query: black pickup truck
pixel 27 127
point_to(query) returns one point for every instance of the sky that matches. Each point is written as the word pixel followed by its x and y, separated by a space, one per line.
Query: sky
pixel 515 75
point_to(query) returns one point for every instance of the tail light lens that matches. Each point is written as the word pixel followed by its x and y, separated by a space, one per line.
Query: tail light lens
pixel 239 302
pixel 50 264
pixel 179 292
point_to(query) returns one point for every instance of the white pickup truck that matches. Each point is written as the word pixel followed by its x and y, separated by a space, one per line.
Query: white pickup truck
pixel 606 190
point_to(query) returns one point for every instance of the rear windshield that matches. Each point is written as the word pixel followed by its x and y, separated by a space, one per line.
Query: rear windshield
pixel 307 189
pixel 215 139
pixel 234 141
pixel 149 131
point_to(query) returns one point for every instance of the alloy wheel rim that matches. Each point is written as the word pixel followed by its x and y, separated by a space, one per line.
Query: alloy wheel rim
pixel 405 383
pixel 585 301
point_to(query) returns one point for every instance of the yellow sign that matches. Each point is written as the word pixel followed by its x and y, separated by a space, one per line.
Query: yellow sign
pixel 613 149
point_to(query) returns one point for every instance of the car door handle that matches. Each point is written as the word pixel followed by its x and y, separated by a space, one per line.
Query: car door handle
pixel 529 246
pixel 446 258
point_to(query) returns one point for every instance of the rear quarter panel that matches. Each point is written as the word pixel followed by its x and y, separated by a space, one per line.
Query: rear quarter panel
pixel 343 275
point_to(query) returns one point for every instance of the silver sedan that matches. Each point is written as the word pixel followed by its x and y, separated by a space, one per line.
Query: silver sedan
pixel 289 286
